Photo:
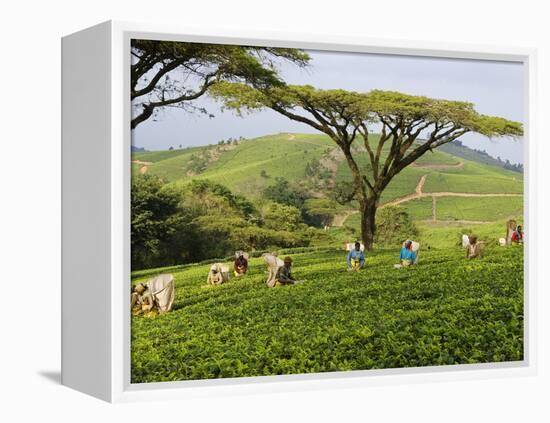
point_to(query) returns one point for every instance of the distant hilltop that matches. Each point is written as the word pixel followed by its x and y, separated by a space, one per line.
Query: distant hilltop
pixel 458 149
pixel 248 166
pixel 455 148
pixel 138 149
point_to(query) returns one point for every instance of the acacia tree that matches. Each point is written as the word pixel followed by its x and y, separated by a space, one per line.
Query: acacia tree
pixel 408 127
pixel 172 74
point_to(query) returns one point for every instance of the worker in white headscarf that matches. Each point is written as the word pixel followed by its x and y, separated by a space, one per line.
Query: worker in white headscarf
pixel 218 274
pixel 157 294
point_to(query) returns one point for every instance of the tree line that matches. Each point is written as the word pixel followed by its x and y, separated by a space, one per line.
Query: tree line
pixel 202 220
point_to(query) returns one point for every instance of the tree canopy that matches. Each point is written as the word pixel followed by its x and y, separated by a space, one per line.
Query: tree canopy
pixel 409 126
pixel 172 74
pixel 346 116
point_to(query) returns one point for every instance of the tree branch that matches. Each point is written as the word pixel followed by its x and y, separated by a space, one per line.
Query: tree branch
pixel 359 179
pixel 300 118
pixel 393 151
pixel 149 108
pixel 434 142
pixel 152 84
pixel 365 133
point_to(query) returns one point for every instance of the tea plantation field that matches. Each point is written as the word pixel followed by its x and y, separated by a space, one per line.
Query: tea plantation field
pixel 447 310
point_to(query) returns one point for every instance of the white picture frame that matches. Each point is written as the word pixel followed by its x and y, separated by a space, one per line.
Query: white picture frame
pixel 96 226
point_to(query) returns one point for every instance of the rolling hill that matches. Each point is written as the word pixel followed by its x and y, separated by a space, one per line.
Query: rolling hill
pixel 439 187
pixel 240 166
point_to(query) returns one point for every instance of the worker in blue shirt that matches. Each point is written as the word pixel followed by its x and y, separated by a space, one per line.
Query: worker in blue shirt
pixel 356 258
pixel 407 255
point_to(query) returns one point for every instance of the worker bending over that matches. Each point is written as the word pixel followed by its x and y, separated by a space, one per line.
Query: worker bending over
pixel 156 294
pixel 407 256
pixel 218 274
pixel 240 267
pixel 517 235
pixel 279 272
pixel 356 258
pixel 475 248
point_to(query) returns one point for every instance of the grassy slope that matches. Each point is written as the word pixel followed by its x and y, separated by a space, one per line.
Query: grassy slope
pixel 437 158
pixel 475 178
pixel 486 209
pixel 239 168
pixel 169 165
pixel 286 155
pixel 158 156
pixel 444 235
pixel 278 155
pixel 472 177
pixel 445 311
pixel 481 209
pixel 420 209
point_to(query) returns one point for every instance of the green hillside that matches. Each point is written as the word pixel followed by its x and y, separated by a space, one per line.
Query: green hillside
pixel 249 166
pixel 475 178
pixel 163 155
pixel 239 167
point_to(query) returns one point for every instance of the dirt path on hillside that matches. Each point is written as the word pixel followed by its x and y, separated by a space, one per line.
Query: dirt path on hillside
pixel 468 194
pixel 418 193
pixel 438 166
pixel 459 222
pixel 340 218
pixel 144 166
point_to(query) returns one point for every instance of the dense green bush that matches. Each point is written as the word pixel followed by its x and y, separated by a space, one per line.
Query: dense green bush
pixel 204 220
pixel 319 211
pixel 281 217
pixel 447 310
pixel 155 218
pixel 393 226
pixel 284 193
pixel 202 187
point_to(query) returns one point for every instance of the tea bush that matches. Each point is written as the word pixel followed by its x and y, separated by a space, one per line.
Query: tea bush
pixel 447 310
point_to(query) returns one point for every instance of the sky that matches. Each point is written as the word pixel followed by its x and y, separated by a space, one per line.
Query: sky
pixel 495 88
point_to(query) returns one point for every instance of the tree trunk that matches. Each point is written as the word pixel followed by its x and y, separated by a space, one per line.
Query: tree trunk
pixel 368 225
